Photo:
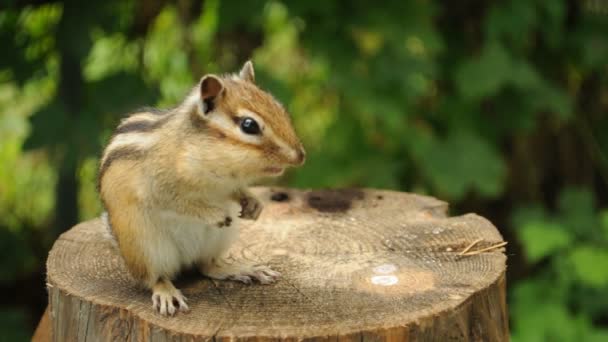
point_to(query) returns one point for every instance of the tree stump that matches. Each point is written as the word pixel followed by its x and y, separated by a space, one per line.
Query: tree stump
pixel 357 265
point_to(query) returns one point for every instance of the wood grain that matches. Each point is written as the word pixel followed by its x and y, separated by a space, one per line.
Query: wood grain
pixel 357 265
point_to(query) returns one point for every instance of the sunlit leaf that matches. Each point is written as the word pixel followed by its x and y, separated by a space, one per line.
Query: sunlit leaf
pixel 110 54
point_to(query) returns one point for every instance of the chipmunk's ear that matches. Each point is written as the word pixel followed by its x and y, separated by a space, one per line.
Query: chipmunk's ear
pixel 247 72
pixel 211 88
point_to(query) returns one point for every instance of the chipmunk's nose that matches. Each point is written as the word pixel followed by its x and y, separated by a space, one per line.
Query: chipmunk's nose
pixel 301 156
pixel 296 156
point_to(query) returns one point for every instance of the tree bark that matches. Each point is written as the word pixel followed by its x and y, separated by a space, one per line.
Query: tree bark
pixel 357 265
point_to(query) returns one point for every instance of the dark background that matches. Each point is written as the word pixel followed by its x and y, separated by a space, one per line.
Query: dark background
pixel 499 107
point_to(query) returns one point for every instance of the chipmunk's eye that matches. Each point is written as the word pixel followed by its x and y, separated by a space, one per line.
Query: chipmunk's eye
pixel 250 126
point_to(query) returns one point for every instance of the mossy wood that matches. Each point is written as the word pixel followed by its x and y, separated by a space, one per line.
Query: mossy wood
pixel 357 265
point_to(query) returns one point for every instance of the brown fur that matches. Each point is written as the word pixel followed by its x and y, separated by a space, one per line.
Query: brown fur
pixel 142 125
pixel 125 153
pixel 127 222
pixel 191 163
pixel 247 95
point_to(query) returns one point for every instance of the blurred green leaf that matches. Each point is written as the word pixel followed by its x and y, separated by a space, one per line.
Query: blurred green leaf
pixel 511 19
pixel 549 98
pixel 590 265
pixel 164 58
pixel 485 75
pixel 604 222
pixel 541 239
pixel 527 214
pixel 111 54
pixel 577 208
pixel 463 162
pixel 538 316
pixel 524 76
pixel 596 335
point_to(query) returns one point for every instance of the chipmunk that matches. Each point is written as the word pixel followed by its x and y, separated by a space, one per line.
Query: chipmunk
pixel 174 183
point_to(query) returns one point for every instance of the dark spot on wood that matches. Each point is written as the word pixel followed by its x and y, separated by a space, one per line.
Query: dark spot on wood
pixel 379 197
pixel 332 201
pixel 280 197
pixel 125 153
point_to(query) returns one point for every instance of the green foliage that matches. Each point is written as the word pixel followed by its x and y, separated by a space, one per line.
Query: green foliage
pixel 454 173
pixel 543 239
pixel 604 222
pixel 497 107
pixel 590 266
pixel 26 182
pixel 572 247
pixel 540 314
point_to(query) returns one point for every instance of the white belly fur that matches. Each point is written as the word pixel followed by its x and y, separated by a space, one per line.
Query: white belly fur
pixel 180 240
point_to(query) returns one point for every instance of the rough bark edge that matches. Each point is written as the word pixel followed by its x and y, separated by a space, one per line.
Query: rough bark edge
pixel 76 319
pixel 481 317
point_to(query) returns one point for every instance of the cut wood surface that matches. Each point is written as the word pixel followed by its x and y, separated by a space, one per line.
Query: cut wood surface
pixel 356 265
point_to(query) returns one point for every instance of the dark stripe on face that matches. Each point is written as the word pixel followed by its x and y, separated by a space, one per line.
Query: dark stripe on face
pixel 124 153
pixel 141 126
pixel 200 124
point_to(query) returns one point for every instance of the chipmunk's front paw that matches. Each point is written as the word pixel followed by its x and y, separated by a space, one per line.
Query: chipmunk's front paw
pixel 245 273
pixel 261 273
pixel 251 208
pixel 167 300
